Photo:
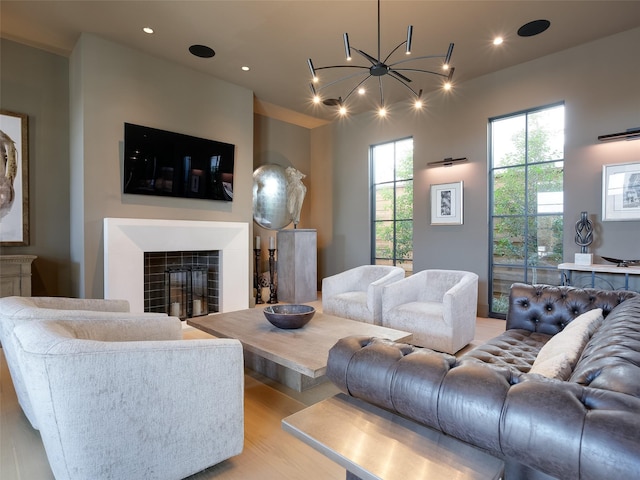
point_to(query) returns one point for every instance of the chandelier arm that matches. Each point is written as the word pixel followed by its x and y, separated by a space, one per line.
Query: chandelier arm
pixel 342 66
pixel 381 92
pixel 420 71
pixel 346 77
pixel 395 73
pixel 424 57
pixel 356 87
pixel 405 84
pixel 393 51
pixel 367 56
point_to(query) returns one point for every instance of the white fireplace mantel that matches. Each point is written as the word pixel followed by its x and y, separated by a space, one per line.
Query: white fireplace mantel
pixel 127 239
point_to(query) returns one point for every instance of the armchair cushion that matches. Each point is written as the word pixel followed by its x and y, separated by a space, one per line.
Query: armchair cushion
pixel 111 405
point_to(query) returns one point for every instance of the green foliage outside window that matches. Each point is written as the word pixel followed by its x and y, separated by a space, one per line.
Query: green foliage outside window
pixel 527 186
pixel 393 203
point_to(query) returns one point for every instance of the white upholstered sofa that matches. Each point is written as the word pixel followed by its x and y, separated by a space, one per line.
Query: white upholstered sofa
pixel 438 306
pixel 357 293
pixel 121 395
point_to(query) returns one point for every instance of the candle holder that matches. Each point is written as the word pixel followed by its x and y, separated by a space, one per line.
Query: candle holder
pixel 273 296
pixel 256 276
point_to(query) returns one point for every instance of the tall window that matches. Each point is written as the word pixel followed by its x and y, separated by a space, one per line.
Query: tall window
pixel 526 176
pixel 392 204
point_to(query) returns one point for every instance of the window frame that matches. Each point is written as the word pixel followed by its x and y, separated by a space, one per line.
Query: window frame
pixel 526 214
pixel 393 259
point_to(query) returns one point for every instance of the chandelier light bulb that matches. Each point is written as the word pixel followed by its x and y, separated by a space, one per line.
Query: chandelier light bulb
pixel 418 104
pixel 382 112
pixel 497 41
pixel 362 91
pixel 447 86
pixel 343 110
pixel 316 99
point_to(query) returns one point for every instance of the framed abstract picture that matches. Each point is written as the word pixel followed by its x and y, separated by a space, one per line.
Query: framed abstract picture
pixel 621 192
pixel 447 204
pixel 14 179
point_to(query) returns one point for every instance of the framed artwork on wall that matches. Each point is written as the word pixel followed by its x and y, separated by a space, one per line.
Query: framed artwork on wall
pixel 14 179
pixel 621 192
pixel 446 204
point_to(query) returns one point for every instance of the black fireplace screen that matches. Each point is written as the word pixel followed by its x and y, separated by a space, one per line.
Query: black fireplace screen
pixel 182 284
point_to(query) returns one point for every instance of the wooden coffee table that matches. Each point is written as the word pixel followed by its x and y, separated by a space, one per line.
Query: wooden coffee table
pixel 297 358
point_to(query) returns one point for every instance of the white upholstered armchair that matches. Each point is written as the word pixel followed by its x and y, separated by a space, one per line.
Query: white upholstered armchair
pixel 357 293
pixel 438 306
pixel 110 403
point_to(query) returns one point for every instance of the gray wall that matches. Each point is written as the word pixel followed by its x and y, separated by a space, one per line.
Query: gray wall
pixel 111 84
pixel 281 143
pixel 598 83
pixel 36 83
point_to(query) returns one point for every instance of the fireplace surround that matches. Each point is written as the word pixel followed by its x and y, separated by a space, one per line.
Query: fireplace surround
pixel 126 240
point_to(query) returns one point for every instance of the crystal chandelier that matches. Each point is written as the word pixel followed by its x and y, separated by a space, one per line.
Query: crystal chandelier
pixel 379 68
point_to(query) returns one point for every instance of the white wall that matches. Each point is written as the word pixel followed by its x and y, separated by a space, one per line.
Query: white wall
pixel 110 85
pixel 598 83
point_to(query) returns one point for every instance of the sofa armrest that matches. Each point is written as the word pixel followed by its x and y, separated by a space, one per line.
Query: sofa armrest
pixel 461 303
pixel 392 375
pixel 91 304
pixel 375 291
pixel 129 328
pixel 570 431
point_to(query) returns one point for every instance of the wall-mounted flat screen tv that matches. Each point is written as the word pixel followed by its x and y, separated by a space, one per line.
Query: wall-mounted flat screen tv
pixel 157 162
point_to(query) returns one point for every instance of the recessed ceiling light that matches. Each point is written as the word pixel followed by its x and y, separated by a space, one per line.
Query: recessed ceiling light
pixel 498 41
pixel 148 30
pixel 202 51
pixel 533 28
pixel 245 68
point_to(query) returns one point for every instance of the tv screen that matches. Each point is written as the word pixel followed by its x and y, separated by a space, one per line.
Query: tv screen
pixel 157 162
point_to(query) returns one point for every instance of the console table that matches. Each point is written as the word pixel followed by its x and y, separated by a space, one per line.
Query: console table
pixel 15 275
pixel 595 268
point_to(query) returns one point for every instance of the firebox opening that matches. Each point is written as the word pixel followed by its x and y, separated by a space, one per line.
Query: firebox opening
pixel 184 284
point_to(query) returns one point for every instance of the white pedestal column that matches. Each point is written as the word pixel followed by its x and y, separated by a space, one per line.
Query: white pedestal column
pixel 297 266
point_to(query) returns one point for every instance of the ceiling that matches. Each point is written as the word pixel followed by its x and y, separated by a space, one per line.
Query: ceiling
pixel 275 38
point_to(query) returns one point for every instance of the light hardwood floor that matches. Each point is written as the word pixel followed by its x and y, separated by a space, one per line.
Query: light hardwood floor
pixel 269 452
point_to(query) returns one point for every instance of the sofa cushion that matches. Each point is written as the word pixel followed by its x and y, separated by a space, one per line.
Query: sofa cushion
pixel 514 349
pixel 560 355
pixel 558 366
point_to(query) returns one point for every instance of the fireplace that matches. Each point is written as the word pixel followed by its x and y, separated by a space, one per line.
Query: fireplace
pixel 126 240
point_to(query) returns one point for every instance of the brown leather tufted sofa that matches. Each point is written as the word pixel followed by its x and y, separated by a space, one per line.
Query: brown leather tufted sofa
pixel 585 427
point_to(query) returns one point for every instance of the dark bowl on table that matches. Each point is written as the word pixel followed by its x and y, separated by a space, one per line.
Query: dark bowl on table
pixel 289 316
